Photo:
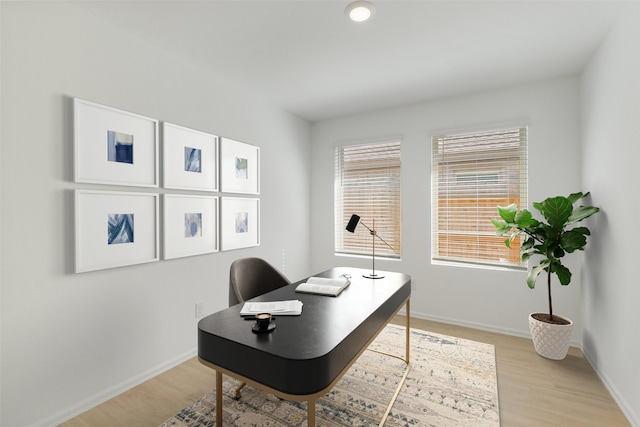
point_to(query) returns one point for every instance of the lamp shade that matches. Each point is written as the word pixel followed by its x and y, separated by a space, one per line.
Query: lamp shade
pixel 353 222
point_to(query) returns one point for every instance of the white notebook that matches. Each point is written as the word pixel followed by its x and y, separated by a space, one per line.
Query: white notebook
pixel 324 286
pixel 280 308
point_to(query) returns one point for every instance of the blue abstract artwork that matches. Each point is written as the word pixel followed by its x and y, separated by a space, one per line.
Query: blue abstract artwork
pixel 242 168
pixel 119 147
pixel 120 229
pixel 192 225
pixel 192 159
pixel 242 222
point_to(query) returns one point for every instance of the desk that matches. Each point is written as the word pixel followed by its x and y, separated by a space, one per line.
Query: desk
pixel 305 355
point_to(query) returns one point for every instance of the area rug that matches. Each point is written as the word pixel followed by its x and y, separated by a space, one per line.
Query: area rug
pixel 452 382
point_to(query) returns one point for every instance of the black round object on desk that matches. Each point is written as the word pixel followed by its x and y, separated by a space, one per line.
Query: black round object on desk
pixel 257 330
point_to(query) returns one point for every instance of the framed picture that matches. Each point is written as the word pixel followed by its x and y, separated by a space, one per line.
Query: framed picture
pixel 239 167
pixel 190 158
pixel 239 223
pixel 114 229
pixel 190 225
pixel 113 146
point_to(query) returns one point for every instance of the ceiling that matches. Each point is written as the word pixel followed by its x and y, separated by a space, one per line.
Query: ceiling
pixel 306 57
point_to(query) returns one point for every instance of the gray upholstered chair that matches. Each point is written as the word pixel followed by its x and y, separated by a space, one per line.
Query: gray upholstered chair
pixel 250 277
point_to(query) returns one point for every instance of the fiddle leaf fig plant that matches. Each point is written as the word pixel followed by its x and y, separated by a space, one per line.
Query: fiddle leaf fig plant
pixel 552 239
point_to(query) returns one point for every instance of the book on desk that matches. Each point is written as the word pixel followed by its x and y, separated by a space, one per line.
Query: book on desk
pixel 313 285
pixel 281 308
pixel 324 286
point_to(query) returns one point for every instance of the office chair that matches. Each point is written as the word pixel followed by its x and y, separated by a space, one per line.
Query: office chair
pixel 249 278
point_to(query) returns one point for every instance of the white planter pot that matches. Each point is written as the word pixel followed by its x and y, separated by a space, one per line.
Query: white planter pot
pixel 551 341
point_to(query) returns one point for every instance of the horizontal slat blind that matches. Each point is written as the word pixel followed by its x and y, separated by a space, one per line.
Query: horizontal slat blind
pixel 367 183
pixel 472 174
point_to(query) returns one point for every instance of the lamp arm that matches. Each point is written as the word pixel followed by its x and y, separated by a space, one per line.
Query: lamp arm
pixel 375 233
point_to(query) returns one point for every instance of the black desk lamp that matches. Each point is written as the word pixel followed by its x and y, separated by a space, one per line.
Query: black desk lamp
pixel 351 226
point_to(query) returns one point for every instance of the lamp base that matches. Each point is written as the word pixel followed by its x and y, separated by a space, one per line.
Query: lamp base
pixel 373 276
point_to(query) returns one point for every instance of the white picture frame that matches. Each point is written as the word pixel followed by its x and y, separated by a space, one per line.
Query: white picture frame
pixel 115 229
pixel 239 223
pixel 113 146
pixel 190 158
pixel 239 167
pixel 190 225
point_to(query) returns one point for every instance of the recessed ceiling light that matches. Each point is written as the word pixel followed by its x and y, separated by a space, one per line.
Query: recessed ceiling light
pixel 360 10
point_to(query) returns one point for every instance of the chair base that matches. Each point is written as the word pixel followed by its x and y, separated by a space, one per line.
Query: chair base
pixel 240 387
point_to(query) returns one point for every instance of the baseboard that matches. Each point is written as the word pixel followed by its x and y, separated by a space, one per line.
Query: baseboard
pixel 634 419
pixel 99 398
pixel 476 325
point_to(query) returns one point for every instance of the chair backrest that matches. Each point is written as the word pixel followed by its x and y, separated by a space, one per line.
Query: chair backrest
pixel 250 277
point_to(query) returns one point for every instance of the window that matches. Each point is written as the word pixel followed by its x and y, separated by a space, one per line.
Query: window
pixel 471 175
pixel 367 183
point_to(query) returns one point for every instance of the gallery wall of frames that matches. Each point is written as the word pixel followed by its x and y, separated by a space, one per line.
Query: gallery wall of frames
pixel 119 228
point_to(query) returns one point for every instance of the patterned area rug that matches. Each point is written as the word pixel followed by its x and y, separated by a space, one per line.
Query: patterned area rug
pixel 452 382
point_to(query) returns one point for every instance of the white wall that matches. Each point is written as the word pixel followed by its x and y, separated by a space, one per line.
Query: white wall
pixel 70 340
pixel 1 114
pixel 490 299
pixel 611 125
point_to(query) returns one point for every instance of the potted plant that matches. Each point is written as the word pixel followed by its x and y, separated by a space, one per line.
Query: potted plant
pixel 552 240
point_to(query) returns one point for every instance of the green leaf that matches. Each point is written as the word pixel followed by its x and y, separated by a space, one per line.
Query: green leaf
pixel 574 197
pixel 502 231
pixel 528 244
pixel 524 219
pixel 502 227
pixel 573 240
pixel 498 224
pixel 508 213
pixel 563 273
pixel 582 212
pixel 507 243
pixel 535 272
pixel 557 211
pixel 538 206
pixel 582 230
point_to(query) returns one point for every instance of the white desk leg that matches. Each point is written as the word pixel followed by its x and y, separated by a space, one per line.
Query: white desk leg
pixel 311 413
pixel 218 398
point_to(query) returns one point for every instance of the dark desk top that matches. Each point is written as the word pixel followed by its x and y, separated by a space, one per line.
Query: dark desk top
pixel 305 353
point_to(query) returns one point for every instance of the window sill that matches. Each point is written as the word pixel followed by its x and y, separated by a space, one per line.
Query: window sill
pixel 378 257
pixel 494 267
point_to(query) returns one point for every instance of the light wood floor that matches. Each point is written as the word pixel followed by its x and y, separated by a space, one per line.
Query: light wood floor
pixel 533 391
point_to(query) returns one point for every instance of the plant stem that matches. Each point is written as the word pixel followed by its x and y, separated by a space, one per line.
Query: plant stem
pixel 534 236
pixel 549 291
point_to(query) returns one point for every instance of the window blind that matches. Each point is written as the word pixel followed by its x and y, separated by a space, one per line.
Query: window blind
pixel 367 183
pixel 472 174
